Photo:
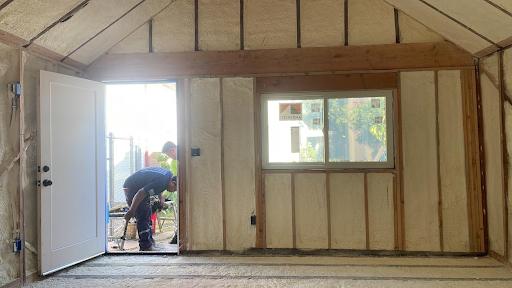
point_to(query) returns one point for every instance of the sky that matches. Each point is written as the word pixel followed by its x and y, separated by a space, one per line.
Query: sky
pixel 146 112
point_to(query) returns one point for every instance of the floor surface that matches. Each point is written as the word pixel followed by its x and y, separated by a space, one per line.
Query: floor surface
pixel 281 271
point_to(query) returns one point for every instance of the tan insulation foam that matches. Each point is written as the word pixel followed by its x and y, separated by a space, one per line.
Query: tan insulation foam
pixel 507 81
pixel 507 73
pixel 493 159
pixel 137 42
pixel 205 198
pixel 420 161
pixel 370 22
pixel 381 214
pixel 9 184
pixel 239 163
pixel 173 28
pixel 507 110
pixel 311 211
pixel 490 65
pixel 476 15
pixel 348 224
pixel 270 24
pixel 322 23
pixel 27 18
pixel 505 4
pixel 412 31
pixel 219 33
pixel 443 25
pixel 119 30
pixel 452 163
pixel 278 210
pixel 98 14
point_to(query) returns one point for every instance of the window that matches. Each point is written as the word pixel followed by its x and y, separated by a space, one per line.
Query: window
pixel 319 130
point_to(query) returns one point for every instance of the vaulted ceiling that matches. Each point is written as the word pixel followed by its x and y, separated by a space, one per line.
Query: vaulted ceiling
pixel 77 32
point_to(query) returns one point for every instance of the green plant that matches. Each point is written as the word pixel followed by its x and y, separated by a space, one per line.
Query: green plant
pixel 163 160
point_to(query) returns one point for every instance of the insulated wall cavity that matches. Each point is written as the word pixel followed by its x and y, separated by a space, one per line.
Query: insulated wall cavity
pixel 311 211
pixel 173 28
pixel 322 23
pixel 452 163
pixel 239 162
pixel 278 210
pixel 507 81
pixel 412 31
pixel 420 161
pixel 205 194
pixel 219 33
pixel 9 180
pixel 370 22
pixel 137 42
pixel 348 226
pixel 493 157
pixel 381 211
pixel 270 24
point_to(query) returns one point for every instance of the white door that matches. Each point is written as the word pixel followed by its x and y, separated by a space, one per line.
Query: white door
pixel 71 159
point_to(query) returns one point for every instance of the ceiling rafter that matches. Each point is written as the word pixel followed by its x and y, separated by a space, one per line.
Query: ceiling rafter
pixel 72 12
pixel 460 23
pixel 149 20
pixel 499 7
pixel 102 30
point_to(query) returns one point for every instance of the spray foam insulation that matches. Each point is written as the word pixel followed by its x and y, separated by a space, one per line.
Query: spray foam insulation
pixel 219 33
pixel 420 161
pixel 173 28
pixel 507 72
pixel 381 211
pixel 205 194
pixel 505 4
pixel 278 210
pixel 311 211
pixel 9 183
pixel 40 15
pixel 443 25
pixel 476 16
pixel 119 30
pixel 412 31
pixel 493 158
pixel 137 42
pixel 348 226
pixel 370 22
pixel 270 24
pixel 325 16
pixel 88 21
pixel 508 133
pixel 507 81
pixel 239 162
pixel 452 163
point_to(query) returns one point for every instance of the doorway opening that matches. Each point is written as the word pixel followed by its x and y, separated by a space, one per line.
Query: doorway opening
pixel 140 119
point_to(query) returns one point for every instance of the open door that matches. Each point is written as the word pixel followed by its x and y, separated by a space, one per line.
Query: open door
pixel 71 173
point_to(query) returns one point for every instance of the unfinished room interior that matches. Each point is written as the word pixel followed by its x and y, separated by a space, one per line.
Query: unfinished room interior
pixel 321 143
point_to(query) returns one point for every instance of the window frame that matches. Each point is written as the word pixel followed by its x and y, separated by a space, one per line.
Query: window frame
pixel 326 95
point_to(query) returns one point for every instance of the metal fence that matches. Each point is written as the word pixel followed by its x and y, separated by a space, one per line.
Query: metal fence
pixel 123 159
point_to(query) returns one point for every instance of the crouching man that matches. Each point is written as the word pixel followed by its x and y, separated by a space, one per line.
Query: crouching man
pixel 151 181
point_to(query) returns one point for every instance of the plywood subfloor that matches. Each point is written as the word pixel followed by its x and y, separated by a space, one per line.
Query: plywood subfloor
pixel 278 271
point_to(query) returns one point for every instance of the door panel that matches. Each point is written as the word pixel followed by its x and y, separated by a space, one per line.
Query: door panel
pixel 71 142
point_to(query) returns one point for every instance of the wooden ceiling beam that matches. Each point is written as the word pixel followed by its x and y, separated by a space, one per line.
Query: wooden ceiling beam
pixel 17 42
pixel 285 61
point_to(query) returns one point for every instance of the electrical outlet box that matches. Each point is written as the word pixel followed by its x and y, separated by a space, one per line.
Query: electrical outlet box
pixel 253 219
pixel 195 152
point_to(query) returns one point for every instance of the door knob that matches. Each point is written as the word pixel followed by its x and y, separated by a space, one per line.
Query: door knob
pixel 47 182
pixel 46 169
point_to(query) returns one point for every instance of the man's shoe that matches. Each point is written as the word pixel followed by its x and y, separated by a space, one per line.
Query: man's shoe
pixel 174 239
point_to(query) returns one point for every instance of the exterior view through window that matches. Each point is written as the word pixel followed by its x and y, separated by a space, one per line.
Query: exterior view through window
pixel 349 129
